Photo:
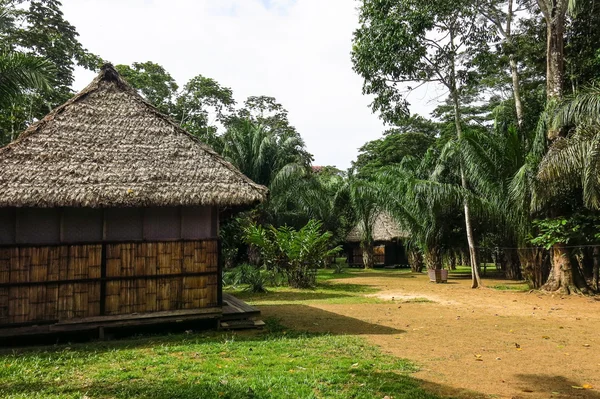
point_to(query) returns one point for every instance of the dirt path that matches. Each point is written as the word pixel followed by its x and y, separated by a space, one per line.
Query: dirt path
pixel 472 343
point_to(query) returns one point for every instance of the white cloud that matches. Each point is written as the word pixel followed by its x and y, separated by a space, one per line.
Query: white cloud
pixel 295 50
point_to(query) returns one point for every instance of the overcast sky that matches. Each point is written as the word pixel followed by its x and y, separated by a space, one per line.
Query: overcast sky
pixel 297 51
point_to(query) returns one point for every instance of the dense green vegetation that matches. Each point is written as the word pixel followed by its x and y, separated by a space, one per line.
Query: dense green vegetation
pixel 505 169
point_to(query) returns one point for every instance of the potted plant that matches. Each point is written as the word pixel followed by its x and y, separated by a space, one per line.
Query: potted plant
pixel 438 275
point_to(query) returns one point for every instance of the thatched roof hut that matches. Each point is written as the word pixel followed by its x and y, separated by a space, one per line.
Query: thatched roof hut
pixel 384 229
pixel 109 216
pixel 109 147
pixel 387 236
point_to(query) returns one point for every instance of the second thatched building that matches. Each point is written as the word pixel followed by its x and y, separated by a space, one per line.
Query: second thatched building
pixel 388 239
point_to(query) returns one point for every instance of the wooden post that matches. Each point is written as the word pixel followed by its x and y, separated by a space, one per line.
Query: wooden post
pixel 219 274
pixel 103 282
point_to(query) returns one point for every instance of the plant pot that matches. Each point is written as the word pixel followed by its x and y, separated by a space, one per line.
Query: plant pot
pixel 438 276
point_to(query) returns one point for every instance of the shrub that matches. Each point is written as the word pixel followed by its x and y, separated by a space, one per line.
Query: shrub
pixel 296 254
pixel 338 268
pixel 256 278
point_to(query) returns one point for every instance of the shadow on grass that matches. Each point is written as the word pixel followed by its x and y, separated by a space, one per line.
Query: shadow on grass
pixel 354 384
pixel 347 384
pixel 315 320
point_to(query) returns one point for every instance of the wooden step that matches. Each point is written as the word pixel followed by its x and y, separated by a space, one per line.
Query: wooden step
pixel 242 324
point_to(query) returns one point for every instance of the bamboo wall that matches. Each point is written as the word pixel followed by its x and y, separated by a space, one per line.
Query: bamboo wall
pixel 58 283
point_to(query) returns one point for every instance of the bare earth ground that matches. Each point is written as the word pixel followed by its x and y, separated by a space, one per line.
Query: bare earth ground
pixel 471 343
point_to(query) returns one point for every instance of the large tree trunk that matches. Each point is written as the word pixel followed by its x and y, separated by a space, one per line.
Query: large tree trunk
pixel 555 69
pixel 554 12
pixel 415 260
pixel 564 276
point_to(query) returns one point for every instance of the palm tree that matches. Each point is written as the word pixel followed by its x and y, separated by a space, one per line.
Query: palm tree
pixel 261 155
pixel 20 72
pixel 573 161
pixel 365 202
pixel 571 164
pixel 423 207
pixel 306 195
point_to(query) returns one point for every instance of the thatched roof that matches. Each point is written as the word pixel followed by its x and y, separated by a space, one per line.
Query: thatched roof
pixel 108 147
pixel 385 229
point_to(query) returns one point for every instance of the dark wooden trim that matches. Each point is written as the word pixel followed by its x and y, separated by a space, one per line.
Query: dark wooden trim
pixel 92 323
pixel 63 244
pixel 106 279
pixel 219 274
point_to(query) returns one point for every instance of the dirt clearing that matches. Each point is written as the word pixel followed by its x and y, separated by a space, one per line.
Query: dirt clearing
pixel 470 343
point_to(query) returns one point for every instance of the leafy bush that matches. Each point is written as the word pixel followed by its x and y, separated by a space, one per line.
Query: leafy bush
pixel 296 254
pixel 256 278
pixel 338 268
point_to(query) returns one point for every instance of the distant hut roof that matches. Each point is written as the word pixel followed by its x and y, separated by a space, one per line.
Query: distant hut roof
pixel 385 229
pixel 108 147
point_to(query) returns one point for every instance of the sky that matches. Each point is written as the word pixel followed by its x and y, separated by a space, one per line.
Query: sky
pixel 297 51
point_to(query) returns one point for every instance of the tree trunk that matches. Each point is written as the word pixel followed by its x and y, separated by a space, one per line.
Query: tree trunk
pixel 253 255
pixel 464 259
pixel 433 258
pixel 554 12
pixel 555 69
pixel 512 264
pixel 516 90
pixel 415 260
pixel 452 262
pixel 564 277
pixel 475 279
pixel 534 265
pixel 596 269
pixel 368 255
pixel 514 71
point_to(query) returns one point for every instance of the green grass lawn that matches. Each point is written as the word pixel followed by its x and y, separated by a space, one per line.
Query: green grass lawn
pixel 325 292
pixel 274 363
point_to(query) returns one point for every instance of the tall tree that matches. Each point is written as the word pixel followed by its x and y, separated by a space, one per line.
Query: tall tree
pixel 153 82
pixel 261 155
pixel 272 116
pixel 391 150
pixel 502 14
pixel 38 28
pixel 365 203
pixel 555 13
pixel 20 72
pixel 416 41
pixel 202 107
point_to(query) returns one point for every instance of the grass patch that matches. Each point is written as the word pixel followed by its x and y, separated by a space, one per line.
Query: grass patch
pixel 517 286
pixel 415 300
pixel 276 363
pixel 326 291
